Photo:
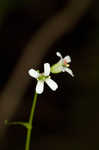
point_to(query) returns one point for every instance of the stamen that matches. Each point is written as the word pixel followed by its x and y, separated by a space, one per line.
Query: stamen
pixel 66 64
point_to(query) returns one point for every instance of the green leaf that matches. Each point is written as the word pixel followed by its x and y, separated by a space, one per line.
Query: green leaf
pixel 24 124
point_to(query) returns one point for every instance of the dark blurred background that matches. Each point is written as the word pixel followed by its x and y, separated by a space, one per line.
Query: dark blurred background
pixel 67 118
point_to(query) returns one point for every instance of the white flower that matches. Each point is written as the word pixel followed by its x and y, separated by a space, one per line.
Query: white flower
pixel 43 77
pixel 62 65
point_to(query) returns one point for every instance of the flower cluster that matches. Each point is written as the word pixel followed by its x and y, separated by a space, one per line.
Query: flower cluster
pixel 61 66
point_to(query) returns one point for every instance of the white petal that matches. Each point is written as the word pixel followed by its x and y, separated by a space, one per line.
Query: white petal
pixel 33 73
pixel 46 69
pixel 59 54
pixel 40 87
pixel 67 58
pixel 69 71
pixel 52 84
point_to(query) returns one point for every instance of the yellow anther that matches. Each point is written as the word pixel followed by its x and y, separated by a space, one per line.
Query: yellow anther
pixel 67 65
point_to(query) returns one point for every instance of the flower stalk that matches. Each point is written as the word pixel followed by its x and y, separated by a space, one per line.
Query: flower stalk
pixel 29 128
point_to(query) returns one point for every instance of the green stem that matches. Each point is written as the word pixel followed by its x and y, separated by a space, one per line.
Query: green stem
pixel 29 130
